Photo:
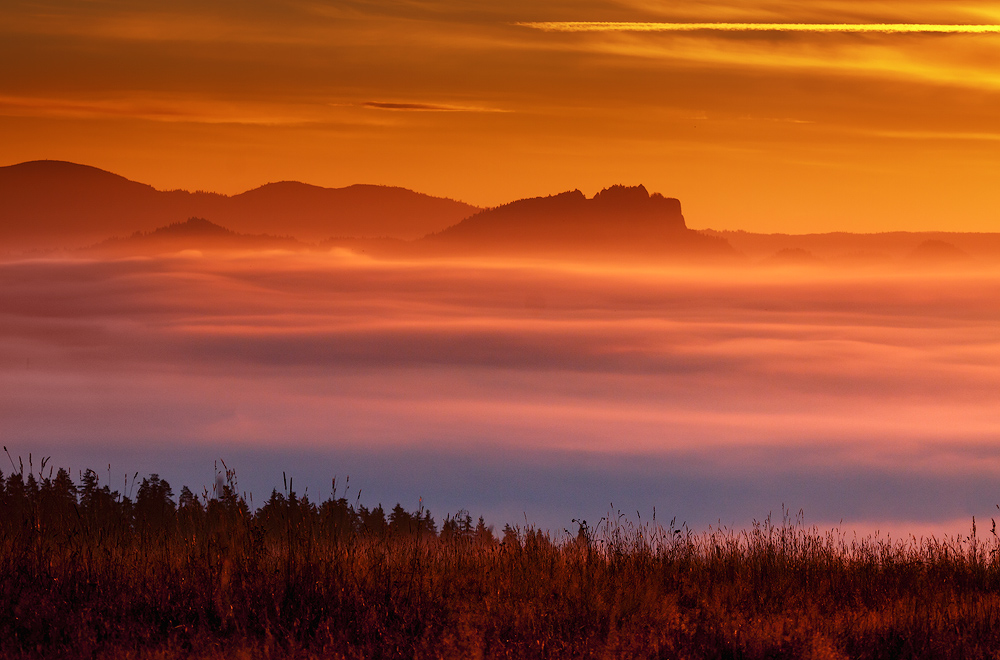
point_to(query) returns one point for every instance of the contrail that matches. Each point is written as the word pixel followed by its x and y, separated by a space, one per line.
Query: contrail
pixel 885 28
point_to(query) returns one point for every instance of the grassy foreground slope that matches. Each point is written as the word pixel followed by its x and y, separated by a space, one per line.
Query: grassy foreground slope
pixel 87 572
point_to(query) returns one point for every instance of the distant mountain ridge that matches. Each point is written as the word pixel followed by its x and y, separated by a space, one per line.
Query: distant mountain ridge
pixel 620 220
pixel 60 204
pixel 860 249
pixel 193 234
pixel 48 205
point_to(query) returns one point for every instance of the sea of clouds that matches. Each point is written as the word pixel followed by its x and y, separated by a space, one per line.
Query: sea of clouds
pixel 528 392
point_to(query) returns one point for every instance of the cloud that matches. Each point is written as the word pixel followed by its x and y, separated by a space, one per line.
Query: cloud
pixel 426 107
pixel 709 395
pixel 706 394
pixel 884 28
pixel 961 55
pixel 161 24
pixel 149 108
pixel 961 136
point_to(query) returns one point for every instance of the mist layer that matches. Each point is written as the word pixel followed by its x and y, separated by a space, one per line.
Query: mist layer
pixel 526 391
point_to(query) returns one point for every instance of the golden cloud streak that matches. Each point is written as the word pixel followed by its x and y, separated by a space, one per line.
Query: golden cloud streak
pixel 426 107
pixel 883 28
pixel 161 110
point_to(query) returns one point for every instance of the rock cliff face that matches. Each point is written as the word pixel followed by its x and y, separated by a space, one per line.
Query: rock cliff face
pixel 570 215
pixel 618 220
pixel 635 204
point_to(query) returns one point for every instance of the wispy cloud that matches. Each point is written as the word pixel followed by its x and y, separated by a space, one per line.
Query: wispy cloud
pixel 427 107
pixel 153 27
pixel 203 111
pixel 965 136
pixel 884 28
pixel 961 63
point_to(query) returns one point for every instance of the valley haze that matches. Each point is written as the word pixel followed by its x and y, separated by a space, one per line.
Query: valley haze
pixel 548 359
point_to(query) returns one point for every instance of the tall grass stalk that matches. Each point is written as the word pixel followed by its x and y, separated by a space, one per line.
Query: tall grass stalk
pixel 87 572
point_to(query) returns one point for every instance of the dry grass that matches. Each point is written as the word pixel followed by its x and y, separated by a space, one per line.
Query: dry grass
pixel 296 579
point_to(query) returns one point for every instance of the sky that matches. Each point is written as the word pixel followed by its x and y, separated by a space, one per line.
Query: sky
pixel 769 116
pixel 525 391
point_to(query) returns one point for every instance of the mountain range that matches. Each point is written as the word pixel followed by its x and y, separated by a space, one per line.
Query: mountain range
pixel 55 204
pixel 192 234
pixel 617 221
pixel 46 204
pixel 854 250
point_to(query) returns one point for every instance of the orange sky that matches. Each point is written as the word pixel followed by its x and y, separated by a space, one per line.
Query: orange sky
pixel 769 130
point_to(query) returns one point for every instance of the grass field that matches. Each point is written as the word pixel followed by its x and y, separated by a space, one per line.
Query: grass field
pixel 88 572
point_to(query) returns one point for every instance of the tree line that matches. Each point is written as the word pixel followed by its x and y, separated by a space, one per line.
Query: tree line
pixel 54 503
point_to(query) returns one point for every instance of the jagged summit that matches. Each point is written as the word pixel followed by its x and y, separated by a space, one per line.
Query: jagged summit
pixel 617 220
pixel 621 197
pixel 609 212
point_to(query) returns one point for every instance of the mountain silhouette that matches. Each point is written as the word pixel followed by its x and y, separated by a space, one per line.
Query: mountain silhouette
pixel 618 221
pixel 193 234
pixel 884 248
pixel 47 203
pixel 361 210
pixel 792 257
pixel 935 252
pixel 193 228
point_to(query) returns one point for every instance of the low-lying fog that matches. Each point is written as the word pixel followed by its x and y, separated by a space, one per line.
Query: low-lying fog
pixel 523 392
